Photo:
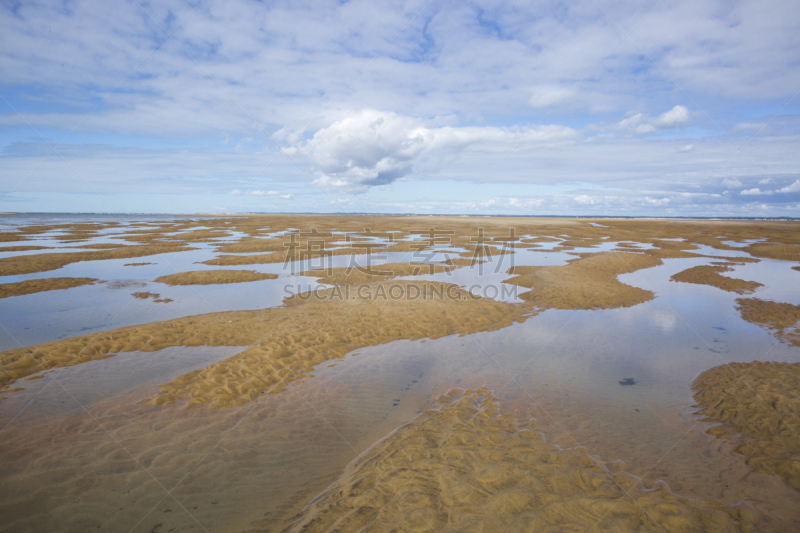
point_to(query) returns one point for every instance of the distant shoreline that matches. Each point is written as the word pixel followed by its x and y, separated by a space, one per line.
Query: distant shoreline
pixel 440 215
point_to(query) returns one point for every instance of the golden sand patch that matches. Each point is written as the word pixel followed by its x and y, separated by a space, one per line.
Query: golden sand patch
pixel 667 253
pixel 156 297
pixel 463 467
pixel 210 277
pixel 26 264
pixel 340 276
pixel 284 343
pixel 253 246
pixel 38 285
pixel 99 246
pixel 22 248
pixel 710 275
pixel 782 319
pixel 785 252
pixel 587 282
pixel 758 405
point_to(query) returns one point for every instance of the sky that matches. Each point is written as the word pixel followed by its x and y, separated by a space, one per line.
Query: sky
pixel 596 107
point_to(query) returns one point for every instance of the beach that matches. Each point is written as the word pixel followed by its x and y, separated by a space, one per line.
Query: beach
pixel 309 372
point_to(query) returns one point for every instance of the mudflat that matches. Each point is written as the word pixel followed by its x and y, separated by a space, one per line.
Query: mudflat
pixel 452 463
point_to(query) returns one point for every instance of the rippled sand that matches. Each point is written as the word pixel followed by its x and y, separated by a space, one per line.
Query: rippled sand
pixel 588 282
pixel 758 406
pixel 284 343
pixel 463 467
pixel 782 319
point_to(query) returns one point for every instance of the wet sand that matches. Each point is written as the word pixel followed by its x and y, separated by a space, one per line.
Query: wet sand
pixel 461 466
pixel 464 467
pixel 27 264
pixel 285 343
pixel 710 275
pixel 39 285
pixel 782 319
pixel 386 271
pixel 758 407
pixel 588 282
pixel 211 277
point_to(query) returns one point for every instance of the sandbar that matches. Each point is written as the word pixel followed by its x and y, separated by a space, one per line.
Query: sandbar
pixel 710 275
pixel 38 285
pixel 211 277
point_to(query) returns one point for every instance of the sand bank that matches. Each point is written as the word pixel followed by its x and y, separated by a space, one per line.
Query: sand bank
pixel 345 234
pixel 22 248
pixel 587 282
pixel 710 275
pixel 782 319
pixel 38 285
pixel 758 406
pixel 284 343
pixel 156 297
pixel 210 277
pixel 463 467
pixel 27 264
pixel 364 274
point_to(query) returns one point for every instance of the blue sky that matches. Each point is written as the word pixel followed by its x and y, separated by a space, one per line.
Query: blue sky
pixel 533 108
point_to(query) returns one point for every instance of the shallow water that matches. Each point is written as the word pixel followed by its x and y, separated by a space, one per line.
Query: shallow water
pixel 83 450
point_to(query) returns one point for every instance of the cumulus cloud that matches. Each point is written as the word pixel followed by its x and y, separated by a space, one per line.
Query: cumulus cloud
pixel 656 201
pixel 268 193
pixel 794 187
pixel 754 192
pixel 372 147
pixel 677 116
pixel 639 123
pixel 512 203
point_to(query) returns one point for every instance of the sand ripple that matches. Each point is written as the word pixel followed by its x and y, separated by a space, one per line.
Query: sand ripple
pixel 758 405
pixel 463 467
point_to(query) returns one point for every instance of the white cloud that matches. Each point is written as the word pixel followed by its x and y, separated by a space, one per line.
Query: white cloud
pixel 677 116
pixel 639 123
pixel 754 192
pixel 466 79
pixel 794 187
pixel 731 182
pixel 372 147
pixel 235 192
pixel 548 96
pixel 270 193
pixel 512 203
pixel 656 201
